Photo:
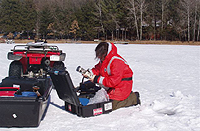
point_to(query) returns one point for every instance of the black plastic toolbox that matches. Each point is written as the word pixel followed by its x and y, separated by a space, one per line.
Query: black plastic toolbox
pixel 67 92
pixel 23 111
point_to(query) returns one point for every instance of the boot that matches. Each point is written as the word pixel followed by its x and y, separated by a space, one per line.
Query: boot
pixel 138 98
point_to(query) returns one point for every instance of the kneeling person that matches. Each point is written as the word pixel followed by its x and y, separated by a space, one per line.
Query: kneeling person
pixel 114 73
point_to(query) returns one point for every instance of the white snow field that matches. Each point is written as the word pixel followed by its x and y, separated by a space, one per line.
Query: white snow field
pixel 167 77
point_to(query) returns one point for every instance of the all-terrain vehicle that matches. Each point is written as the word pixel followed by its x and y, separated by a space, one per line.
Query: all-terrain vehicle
pixel 34 59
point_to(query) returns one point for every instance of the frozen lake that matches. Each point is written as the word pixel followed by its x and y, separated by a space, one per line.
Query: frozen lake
pixel 167 77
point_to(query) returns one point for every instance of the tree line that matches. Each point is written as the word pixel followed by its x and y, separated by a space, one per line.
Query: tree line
pixel 102 19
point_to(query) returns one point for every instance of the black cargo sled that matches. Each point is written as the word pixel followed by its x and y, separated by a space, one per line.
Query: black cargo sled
pixel 23 101
pixel 75 103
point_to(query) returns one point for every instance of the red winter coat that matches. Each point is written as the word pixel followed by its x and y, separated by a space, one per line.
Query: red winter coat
pixel 111 73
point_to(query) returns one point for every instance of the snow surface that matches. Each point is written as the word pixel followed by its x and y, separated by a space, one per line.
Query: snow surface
pixel 167 77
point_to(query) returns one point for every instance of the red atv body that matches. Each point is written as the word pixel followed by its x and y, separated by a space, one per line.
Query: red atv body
pixel 34 59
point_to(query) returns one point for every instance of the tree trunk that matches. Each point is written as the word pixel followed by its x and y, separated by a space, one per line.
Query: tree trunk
pixel 198 31
pixel 141 17
pixel 185 34
pixel 100 16
pixel 188 16
pixel 122 35
pixel 112 34
pixel 132 2
pixel 154 30
pixel 106 35
pixel 125 34
pixel 154 18
pixel 37 26
pixel 162 26
pixel 195 16
pixel 116 34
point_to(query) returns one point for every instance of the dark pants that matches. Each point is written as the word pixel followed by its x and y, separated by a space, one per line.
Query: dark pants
pixel 130 101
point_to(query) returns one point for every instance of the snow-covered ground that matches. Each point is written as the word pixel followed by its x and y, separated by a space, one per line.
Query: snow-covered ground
pixel 167 77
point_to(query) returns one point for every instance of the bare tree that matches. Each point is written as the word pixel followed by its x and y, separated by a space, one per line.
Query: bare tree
pixel 99 15
pixel 132 9
pixel 142 7
pixel 112 14
pixel 153 16
pixel 38 4
pixel 198 15
pixel 107 16
pixel 186 6
pixel 195 17
pixel 164 5
pixel 198 30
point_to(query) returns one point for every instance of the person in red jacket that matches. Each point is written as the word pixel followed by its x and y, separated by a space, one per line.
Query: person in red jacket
pixel 114 74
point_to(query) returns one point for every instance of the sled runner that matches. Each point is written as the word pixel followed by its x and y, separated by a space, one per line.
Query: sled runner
pixel 74 103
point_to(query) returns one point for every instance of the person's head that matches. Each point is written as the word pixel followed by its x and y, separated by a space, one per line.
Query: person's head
pixel 101 50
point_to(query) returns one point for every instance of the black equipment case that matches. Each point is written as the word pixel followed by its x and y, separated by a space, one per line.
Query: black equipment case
pixel 23 111
pixel 67 92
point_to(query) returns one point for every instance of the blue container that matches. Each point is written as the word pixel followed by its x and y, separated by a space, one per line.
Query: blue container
pixel 26 94
pixel 84 101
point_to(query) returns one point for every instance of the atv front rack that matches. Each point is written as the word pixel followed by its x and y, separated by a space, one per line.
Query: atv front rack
pixel 42 48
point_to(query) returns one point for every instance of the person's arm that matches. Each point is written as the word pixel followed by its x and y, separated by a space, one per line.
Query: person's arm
pixel 96 69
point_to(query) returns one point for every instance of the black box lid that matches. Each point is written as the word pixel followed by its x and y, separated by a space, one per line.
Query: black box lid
pixel 64 86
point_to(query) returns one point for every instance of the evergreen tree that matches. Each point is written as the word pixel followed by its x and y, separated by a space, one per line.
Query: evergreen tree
pixel 86 21
pixel 154 17
pixel 28 16
pixel 45 19
pixel 110 13
pixel 111 19
pixel 11 18
pixel 63 16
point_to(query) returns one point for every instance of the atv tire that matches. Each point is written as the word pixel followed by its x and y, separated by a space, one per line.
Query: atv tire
pixel 15 69
pixel 58 65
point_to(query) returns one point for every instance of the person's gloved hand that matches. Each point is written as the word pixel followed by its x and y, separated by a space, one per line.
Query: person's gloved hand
pixel 90 78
